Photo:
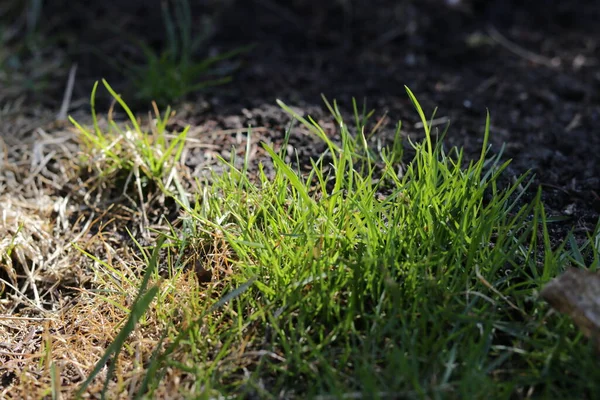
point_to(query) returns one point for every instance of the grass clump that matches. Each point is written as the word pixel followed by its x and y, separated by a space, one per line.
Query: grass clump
pixel 128 162
pixel 366 277
pixel 175 71
pixel 150 152
pixel 413 280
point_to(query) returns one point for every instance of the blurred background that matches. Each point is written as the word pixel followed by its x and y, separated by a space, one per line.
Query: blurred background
pixel 41 40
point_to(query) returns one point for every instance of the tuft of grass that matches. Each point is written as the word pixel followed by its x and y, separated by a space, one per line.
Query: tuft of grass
pixel 137 160
pixel 368 277
pixel 150 152
pixel 176 71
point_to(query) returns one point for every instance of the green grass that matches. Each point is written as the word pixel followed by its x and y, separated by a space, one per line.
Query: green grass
pixel 133 149
pixel 175 71
pixel 371 277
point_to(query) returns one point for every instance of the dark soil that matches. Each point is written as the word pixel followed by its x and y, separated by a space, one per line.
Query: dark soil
pixel 533 66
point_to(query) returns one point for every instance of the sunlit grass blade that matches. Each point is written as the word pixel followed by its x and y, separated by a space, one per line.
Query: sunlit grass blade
pixel 139 307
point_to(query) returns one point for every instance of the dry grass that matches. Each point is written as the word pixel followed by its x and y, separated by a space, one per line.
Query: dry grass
pixel 59 309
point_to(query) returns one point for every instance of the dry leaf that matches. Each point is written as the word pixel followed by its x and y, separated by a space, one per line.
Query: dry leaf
pixel 203 275
pixel 577 294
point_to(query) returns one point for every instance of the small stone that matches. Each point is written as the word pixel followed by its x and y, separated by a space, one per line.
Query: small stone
pixel 570 209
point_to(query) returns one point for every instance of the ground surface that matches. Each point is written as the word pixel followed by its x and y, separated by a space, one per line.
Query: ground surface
pixel 534 67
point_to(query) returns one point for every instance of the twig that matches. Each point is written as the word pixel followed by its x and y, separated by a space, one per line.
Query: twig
pixel 10 317
pixel 520 51
pixel 493 289
pixel 64 108
pixel 575 123
pixel 434 122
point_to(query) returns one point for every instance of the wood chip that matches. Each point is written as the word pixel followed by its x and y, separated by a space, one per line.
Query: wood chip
pixel 576 293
